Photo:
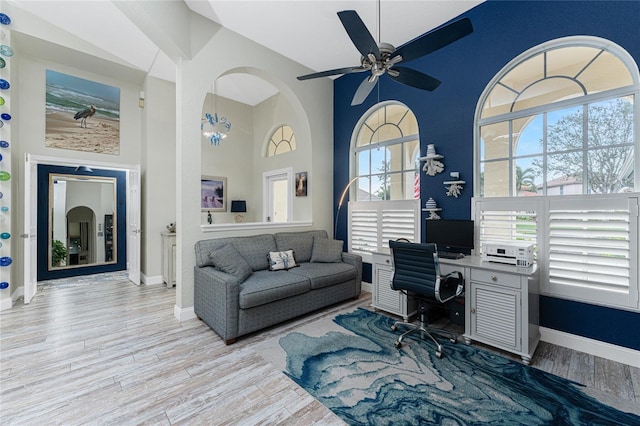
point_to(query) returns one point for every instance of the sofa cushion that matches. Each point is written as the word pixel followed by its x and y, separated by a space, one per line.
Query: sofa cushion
pixel 265 287
pixel 227 259
pixel 326 250
pixel 300 242
pixel 325 274
pixel 281 260
pixel 253 249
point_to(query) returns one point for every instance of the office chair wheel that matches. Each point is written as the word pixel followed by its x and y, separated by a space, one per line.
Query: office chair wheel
pixel 393 327
pixel 452 340
pixel 397 344
pixel 439 355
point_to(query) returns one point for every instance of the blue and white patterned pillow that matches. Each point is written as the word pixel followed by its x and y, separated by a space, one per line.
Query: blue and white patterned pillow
pixel 281 260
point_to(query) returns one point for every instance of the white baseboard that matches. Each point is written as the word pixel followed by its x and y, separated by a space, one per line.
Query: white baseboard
pixel 368 287
pixel 184 314
pixel 8 302
pixel 151 280
pixel 593 347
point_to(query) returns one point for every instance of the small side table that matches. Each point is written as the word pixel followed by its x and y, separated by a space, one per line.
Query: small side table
pixel 169 258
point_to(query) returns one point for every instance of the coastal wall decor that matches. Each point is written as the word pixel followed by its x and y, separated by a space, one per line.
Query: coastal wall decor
pixel 213 193
pixel 82 115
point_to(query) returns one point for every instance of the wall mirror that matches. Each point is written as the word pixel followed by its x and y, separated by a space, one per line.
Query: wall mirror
pixel 83 231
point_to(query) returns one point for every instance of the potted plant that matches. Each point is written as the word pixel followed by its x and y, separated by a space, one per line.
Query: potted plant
pixel 59 253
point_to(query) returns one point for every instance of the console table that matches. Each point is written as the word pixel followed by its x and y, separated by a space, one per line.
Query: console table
pixel 501 301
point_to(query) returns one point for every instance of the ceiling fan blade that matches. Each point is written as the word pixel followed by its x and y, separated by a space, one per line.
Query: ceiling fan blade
pixel 347 70
pixel 364 89
pixel 415 78
pixel 358 32
pixel 434 40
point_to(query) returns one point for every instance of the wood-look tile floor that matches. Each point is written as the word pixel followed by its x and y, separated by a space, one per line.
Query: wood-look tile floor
pixel 100 350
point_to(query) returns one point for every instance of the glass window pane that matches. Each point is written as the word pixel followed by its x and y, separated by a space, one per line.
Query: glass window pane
pixel 411 185
pixel 564 174
pixel 527 176
pixel 565 129
pixel 606 72
pixel 495 179
pixel 609 170
pixel 364 189
pixel 569 61
pixel 411 155
pixel 396 187
pixel 379 187
pixel 548 91
pixel 378 160
pixel 498 102
pixel 494 140
pixel 394 158
pixel 526 73
pixel 611 122
pixel 527 135
pixel 363 163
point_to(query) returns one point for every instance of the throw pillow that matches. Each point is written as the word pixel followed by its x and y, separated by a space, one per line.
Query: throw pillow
pixel 227 259
pixel 326 250
pixel 281 260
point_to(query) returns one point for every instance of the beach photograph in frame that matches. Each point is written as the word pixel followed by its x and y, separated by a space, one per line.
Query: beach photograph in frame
pixel 301 184
pixel 213 193
pixel 81 115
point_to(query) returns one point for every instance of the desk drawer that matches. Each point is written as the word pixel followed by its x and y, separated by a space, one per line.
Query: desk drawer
pixel 493 277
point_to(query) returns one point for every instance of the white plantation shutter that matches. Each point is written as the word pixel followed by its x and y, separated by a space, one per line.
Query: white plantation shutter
pixel 593 249
pixel 586 245
pixel 373 223
pixel 506 220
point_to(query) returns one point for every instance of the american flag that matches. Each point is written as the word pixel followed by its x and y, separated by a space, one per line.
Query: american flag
pixel 416 186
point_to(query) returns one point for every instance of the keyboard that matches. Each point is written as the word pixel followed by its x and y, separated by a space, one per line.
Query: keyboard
pixel 450 255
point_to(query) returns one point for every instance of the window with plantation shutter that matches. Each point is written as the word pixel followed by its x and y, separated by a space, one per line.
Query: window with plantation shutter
pixel 507 225
pixel 372 224
pixel 593 249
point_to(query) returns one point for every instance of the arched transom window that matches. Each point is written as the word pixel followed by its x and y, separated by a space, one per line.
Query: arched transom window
pixel 559 120
pixel 282 140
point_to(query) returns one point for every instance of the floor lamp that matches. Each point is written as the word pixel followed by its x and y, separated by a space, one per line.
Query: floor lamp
pixel 344 193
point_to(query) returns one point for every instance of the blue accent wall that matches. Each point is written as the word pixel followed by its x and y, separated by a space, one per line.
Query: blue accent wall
pixel 502 31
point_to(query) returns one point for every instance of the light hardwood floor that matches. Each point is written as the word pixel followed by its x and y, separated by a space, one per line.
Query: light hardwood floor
pixel 100 350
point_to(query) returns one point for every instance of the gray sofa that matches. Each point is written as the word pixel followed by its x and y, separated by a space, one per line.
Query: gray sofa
pixel 236 293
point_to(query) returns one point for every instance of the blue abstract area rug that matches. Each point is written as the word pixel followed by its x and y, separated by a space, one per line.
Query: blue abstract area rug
pixel 364 379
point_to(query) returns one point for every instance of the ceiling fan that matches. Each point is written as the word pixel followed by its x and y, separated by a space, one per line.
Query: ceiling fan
pixel 383 57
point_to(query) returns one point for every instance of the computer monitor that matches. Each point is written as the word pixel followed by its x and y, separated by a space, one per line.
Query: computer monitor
pixel 450 235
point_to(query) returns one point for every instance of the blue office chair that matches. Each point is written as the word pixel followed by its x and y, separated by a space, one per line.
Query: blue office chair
pixel 416 272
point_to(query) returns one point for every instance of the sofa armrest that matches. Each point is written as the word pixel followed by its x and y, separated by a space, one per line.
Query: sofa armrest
pixel 217 301
pixel 355 260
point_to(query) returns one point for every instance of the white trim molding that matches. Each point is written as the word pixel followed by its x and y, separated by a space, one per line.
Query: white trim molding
pixel 593 347
pixel 184 314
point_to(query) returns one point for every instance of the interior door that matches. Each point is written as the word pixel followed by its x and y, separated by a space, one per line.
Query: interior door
pixel 134 231
pixel 30 228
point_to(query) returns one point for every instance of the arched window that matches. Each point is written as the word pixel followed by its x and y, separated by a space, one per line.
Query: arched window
pixel 386 151
pixel 282 140
pixel 559 119
pixel 385 158
pixel 559 126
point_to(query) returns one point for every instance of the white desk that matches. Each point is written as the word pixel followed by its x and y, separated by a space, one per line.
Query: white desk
pixel 501 301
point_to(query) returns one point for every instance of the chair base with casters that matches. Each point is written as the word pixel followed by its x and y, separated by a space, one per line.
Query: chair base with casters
pixel 424 330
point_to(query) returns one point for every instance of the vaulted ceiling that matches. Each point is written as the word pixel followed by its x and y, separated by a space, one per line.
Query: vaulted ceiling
pixel 306 31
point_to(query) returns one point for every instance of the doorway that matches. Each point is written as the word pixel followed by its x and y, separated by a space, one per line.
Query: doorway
pixel 81 221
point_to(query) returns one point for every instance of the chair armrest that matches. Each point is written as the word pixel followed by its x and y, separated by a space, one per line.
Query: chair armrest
pixel 217 300
pixel 446 283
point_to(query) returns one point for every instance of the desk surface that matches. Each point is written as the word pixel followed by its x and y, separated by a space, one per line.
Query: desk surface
pixel 477 262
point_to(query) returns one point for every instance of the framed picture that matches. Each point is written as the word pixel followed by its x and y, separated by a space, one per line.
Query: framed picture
pixel 213 193
pixel 82 115
pixel 301 184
